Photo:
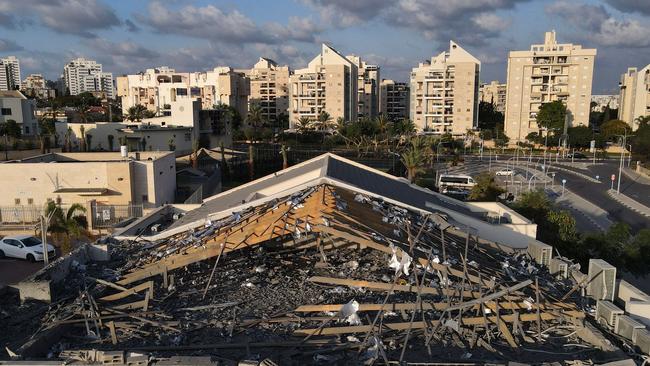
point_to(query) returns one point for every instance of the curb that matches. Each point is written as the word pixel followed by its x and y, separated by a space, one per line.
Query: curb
pixel 645 211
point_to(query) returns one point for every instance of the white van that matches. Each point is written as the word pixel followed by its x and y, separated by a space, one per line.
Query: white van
pixel 458 181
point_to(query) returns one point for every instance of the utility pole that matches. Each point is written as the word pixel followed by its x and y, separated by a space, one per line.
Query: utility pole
pixel 621 162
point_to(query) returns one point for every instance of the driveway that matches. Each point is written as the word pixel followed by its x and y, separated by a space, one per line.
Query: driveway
pixel 15 270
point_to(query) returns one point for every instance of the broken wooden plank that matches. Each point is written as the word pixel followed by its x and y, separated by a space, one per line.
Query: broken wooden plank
pixel 420 325
pixel 128 292
pixel 388 286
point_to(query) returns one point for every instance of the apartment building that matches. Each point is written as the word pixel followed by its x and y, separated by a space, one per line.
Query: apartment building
pixel 495 93
pixel 599 102
pixel 635 95
pixel 394 99
pixel 547 72
pixel 269 89
pixel 444 92
pixel 15 106
pixel 328 83
pixel 35 85
pixel 157 88
pixel 81 75
pixel 9 73
pixel 367 88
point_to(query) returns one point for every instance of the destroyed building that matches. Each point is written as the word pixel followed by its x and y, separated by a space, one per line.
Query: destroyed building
pixel 327 262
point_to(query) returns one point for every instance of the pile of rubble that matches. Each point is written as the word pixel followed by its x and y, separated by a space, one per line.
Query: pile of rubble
pixel 322 276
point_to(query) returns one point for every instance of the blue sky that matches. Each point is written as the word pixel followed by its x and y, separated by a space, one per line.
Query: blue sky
pixel 127 36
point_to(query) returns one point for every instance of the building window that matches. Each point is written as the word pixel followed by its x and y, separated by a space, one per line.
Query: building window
pixel 145 198
pixel 30 201
pixel 6 111
pixel 16 201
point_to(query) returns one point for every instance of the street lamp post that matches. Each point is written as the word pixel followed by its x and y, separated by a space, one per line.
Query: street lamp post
pixel 621 162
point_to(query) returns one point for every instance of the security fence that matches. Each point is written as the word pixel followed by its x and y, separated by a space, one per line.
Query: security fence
pixel 107 216
pixel 20 216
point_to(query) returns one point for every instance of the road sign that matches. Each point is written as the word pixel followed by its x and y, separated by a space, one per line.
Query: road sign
pixel 592 146
pixel 598 177
pixel 563 181
pixel 613 178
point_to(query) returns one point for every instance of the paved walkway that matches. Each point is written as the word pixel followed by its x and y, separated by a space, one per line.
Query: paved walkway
pixel 581 208
pixel 629 203
pixel 637 177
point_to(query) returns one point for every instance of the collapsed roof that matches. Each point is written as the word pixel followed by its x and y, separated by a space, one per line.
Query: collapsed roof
pixel 324 274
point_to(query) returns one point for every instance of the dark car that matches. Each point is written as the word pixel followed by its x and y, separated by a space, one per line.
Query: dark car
pixel 577 155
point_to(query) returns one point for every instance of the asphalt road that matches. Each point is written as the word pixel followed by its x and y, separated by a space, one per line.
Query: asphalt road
pixel 596 193
pixel 15 270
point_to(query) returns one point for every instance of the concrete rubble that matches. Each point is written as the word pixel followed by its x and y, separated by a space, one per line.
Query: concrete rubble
pixel 323 276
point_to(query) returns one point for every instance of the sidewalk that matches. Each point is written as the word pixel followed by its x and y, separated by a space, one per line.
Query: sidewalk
pixel 595 215
pixel 637 177
pixel 629 203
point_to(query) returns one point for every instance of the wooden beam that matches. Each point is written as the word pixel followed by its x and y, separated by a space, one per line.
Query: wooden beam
pixel 421 325
pixel 131 291
pixel 387 286
pixel 439 306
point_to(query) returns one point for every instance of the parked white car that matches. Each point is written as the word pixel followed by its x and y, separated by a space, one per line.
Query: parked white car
pixel 505 172
pixel 24 247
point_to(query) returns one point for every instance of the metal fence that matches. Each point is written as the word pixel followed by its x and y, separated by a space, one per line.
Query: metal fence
pixel 20 217
pixel 107 216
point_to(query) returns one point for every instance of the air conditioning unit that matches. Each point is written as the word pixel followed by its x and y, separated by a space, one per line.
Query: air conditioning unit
pixel 559 267
pixel 627 292
pixel 643 340
pixel 540 252
pixel 607 313
pixel 628 328
pixel 639 309
pixel 601 280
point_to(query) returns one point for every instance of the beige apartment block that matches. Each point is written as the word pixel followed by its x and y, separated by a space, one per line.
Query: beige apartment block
pixel 328 83
pixel 147 178
pixel 157 88
pixel 367 88
pixel 547 72
pixel 444 92
pixel 269 88
pixel 394 99
pixel 495 93
pixel 634 99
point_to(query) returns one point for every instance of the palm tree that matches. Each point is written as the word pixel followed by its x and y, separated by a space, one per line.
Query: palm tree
pixel 323 122
pixel 303 124
pixel 255 116
pixel 136 113
pixel 413 160
pixel 383 124
pixel 82 132
pixel 72 223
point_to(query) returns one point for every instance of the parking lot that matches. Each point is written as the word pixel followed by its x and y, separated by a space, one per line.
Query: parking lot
pixel 14 270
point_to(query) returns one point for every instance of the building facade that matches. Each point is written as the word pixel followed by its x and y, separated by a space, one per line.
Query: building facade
pixel 367 88
pixel 547 72
pixel 147 178
pixel 444 92
pixel 35 85
pixel 634 99
pixel 494 93
pixel 327 84
pixel 15 106
pixel 157 88
pixel 81 75
pixel 9 73
pixel 394 99
pixel 269 89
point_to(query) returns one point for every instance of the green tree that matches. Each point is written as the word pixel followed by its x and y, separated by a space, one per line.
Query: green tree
pixel 72 223
pixel 136 113
pixel 580 136
pixel 11 128
pixel 610 129
pixel 255 117
pixel 552 115
pixel 488 116
pixel 303 124
pixel 486 188
pixel 641 140
pixel 324 122
pixel 413 160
